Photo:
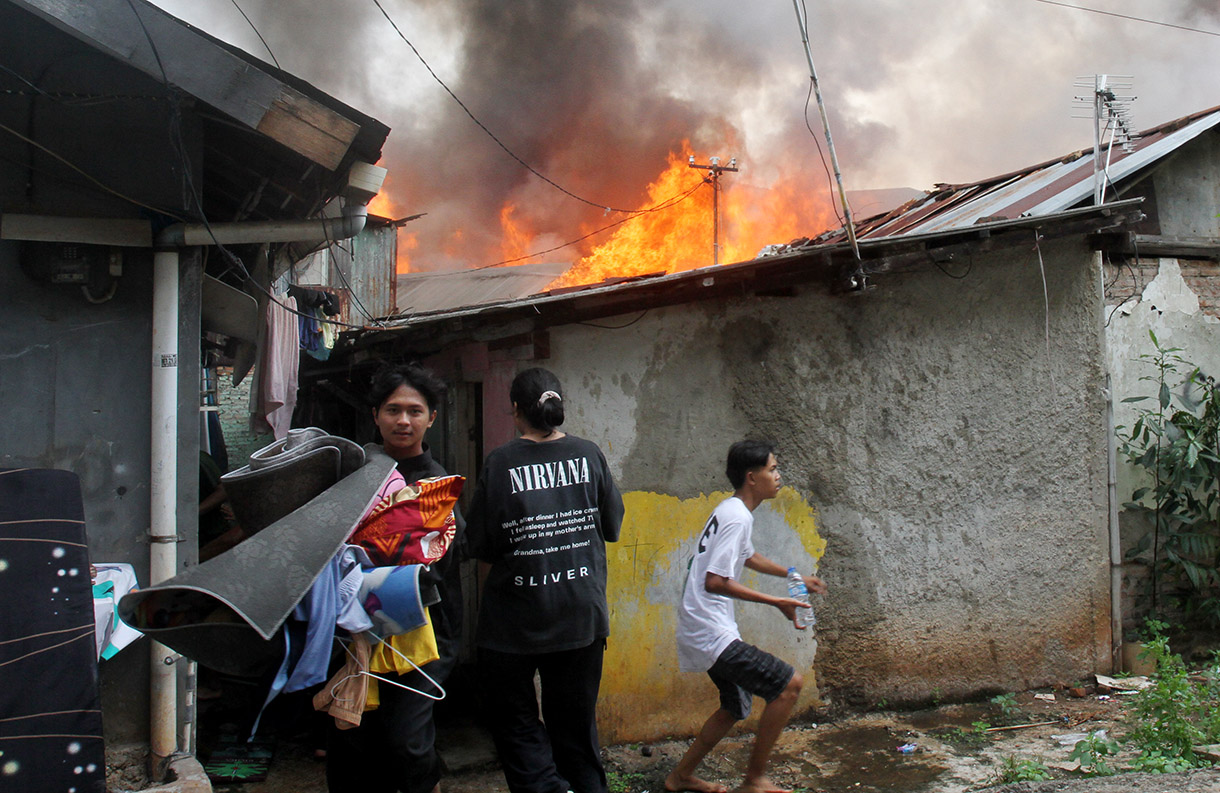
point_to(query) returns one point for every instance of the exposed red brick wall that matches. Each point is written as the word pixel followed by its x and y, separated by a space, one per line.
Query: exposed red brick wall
pixel 1127 281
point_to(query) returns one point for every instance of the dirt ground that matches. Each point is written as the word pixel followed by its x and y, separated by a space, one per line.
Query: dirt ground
pixel 946 753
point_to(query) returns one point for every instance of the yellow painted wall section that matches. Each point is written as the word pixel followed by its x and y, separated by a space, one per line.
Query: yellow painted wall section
pixel 643 695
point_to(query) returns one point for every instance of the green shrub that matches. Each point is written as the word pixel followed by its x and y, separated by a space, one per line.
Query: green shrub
pixel 1092 752
pixel 1014 770
pixel 1154 762
pixel 1176 442
pixel 1175 713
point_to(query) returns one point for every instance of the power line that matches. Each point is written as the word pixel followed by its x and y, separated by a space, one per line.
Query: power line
pixel 260 35
pixel 87 175
pixel 179 147
pixel 1127 16
pixel 674 201
pixel 501 143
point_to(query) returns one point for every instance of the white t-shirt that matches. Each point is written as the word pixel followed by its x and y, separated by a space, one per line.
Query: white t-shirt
pixel 706 625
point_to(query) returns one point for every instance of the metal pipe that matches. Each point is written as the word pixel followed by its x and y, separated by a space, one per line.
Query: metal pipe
pixel 1116 550
pixel 347 225
pixel 163 533
pixel 163 525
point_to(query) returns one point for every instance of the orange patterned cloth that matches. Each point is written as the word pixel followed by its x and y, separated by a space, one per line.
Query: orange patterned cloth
pixel 414 525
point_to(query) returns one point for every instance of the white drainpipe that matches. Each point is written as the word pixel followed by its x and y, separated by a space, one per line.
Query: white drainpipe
pixel 163 534
pixel 163 531
pixel 1116 549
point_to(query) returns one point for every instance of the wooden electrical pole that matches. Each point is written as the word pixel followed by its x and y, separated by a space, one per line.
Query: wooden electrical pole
pixel 714 169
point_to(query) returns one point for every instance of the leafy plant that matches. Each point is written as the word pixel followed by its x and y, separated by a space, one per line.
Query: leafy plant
pixel 974 737
pixel 1175 714
pixel 1007 703
pixel 1153 629
pixel 1014 770
pixel 1092 752
pixel 1155 762
pixel 623 782
pixel 1176 441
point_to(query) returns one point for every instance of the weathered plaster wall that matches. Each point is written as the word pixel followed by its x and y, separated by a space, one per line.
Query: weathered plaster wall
pixel 943 445
pixel 75 385
pixel 75 377
pixel 1167 302
pixel 1187 190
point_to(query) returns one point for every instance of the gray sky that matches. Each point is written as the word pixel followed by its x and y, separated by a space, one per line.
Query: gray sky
pixel 595 95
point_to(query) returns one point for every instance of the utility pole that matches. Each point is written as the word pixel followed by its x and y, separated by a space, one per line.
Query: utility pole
pixel 714 169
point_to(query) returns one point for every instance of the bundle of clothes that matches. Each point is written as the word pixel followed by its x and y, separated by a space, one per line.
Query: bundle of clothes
pixel 335 541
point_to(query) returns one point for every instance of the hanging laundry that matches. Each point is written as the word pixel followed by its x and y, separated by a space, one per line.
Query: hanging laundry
pixel 330 332
pixel 278 365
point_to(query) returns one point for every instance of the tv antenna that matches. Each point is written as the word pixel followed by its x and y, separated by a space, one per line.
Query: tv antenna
pixel 1111 114
pixel 803 23
pixel 714 169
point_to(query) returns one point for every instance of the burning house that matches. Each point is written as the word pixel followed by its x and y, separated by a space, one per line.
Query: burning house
pixel 940 405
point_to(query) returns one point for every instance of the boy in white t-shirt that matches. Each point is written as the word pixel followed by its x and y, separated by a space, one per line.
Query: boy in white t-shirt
pixel 708 639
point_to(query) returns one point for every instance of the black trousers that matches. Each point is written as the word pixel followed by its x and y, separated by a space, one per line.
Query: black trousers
pixel 563 753
pixel 394 748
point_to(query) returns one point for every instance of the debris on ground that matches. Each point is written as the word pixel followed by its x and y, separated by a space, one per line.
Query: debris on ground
pixel 955 751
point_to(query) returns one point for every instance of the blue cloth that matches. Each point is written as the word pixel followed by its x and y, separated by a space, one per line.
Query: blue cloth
pixel 319 608
pixel 329 602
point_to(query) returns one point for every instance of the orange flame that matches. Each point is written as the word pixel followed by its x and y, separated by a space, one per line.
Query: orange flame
pixel 408 241
pixel 680 235
pixel 516 240
pixel 382 205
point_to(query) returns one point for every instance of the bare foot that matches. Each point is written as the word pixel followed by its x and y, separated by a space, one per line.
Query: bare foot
pixel 674 783
pixel 760 785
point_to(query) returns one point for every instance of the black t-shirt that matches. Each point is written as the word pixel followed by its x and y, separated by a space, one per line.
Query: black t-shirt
pixel 541 515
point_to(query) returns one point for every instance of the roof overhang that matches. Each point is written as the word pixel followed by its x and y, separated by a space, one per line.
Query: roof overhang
pixel 274 147
pixel 832 268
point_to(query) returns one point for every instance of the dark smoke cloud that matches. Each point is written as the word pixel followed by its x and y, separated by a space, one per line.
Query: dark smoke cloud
pixel 564 86
pixel 596 95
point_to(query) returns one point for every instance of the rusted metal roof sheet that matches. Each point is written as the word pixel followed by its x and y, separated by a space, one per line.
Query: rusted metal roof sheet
pixel 419 293
pixel 824 265
pixel 370 269
pixel 360 271
pixel 1039 190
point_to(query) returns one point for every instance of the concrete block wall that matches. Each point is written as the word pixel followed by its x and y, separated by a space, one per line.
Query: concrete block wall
pixel 943 448
pixel 234 410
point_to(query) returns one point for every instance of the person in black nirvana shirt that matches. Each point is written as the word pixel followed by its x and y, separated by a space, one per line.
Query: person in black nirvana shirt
pixel 393 749
pixel 543 510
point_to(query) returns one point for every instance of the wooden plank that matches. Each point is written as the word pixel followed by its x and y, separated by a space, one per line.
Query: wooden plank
pixel 203 69
pixel 1180 247
pixel 122 232
pixel 1157 245
pixel 308 128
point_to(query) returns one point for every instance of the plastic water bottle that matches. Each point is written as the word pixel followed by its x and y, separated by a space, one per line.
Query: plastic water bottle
pixel 797 591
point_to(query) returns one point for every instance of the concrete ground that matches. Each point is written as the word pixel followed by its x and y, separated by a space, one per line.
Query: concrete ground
pixel 856 754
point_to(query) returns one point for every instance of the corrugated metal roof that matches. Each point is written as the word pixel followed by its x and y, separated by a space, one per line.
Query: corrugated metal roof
pixel 825 265
pixel 420 293
pixel 1056 191
pixel 1039 190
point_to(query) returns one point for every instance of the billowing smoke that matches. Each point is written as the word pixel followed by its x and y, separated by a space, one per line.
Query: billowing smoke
pixel 595 96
